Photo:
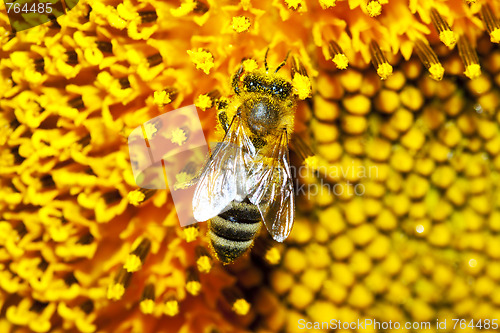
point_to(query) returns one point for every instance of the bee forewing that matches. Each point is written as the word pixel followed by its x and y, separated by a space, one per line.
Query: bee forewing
pixel 222 177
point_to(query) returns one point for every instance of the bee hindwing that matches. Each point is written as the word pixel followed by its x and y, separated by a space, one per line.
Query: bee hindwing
pixel 270 188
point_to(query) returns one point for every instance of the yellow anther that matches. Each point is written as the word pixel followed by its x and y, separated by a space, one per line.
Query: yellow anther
pixel 204 264
pixel 469 58
pixel 374 8
pixel 193 287
pixel 273 256
pixel 115 291
pixel 117 288
pixel 241 307
pixel 147 306
pixel 384 69
pixel 327 3
pixel 136 197
pixel 193 284
pixel 491 22
pixel 240 23
pixel 203 102
pixel 132 263
pixel 429 59
pixel 338 57
pixel 191 233
pixel 203 59
pixel 164 97
pixel 171 308
pixel 249 65
pixel 186 7
pixel 294 4
pixel 178 136
pixel 446 35
pixel 302 86
pixel 300 80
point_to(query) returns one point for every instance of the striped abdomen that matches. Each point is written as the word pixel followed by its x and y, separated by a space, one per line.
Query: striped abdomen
pixel 232 232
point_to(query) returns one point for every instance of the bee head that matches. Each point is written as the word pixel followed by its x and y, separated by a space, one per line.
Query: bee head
pixel 276 87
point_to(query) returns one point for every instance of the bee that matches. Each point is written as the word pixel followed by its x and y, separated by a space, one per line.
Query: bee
pixel 247 177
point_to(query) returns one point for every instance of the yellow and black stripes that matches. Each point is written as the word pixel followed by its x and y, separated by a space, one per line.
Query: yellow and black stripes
pixel 232 233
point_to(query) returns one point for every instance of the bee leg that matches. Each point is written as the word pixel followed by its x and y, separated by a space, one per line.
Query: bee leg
pixel 235 82
pixel 222 116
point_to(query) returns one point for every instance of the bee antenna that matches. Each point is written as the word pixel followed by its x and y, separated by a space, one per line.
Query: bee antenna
pixel 265 60
pixel 283 62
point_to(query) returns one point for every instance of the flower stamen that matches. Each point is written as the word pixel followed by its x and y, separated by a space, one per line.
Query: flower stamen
pixel 136 258
pixel 76 103
pixel 429 59
pixel 203 259
pixel 203 59
pixel 148 16
pixel 235 298
pixel 491 22
pixel 191 232
pixel 446 35
pixel 104 46
pixel 124 82
pixel 300 80
pixel 116 289
pixel 39 65
pixel 469 58
pixel 165 96
pixel 21 229
pixel 70 279
pixel 138 196
pixel 379 61
pixel 193 284
pixel 327 3
pixel 47 181
pixel 38 306
pixel 86 239
pixel 148 299
pixel 112 196
pixel 338 56
pixel 374 8
pixel 171 307
pixel 154 60
pixel 206 101
pixel 87 306
pixel 71 57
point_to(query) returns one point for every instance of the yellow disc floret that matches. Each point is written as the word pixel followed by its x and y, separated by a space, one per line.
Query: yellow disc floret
pixel 241 307
pixel 203 102
pixel 240 23
pixel 203 59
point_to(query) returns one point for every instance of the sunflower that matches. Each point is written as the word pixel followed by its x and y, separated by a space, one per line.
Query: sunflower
pixel 400 218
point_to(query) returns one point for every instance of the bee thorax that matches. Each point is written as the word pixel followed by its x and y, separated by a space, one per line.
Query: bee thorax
pixel 262 115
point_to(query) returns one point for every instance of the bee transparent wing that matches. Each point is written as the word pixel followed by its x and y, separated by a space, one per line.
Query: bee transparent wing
pixel 270 188
pixel 223 177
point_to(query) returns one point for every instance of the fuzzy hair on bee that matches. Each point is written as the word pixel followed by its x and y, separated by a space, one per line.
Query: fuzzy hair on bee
pixel 247 178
